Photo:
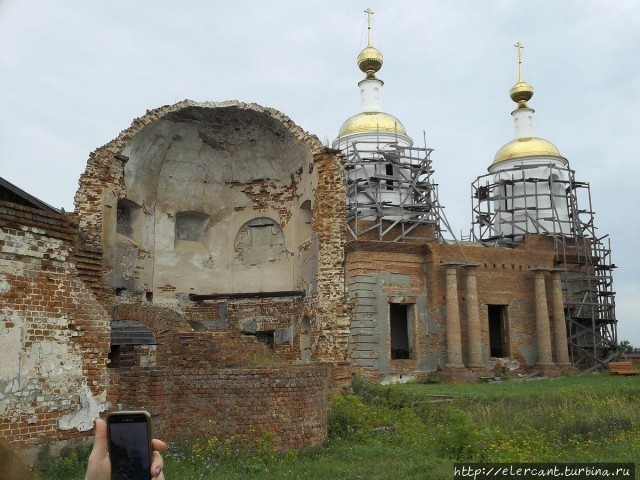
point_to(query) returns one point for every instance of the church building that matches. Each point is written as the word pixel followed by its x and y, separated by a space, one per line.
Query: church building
pixel 223 264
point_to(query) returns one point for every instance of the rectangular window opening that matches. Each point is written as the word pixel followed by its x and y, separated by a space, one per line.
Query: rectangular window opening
pixel 121 356
pixel 266 338
pixel 399 328
pixel 498 331
pixel 389 172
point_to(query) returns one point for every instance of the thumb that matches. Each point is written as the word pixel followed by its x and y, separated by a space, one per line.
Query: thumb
pixel 100 446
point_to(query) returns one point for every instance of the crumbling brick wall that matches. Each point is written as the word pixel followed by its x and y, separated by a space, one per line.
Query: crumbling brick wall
pixel 54 334
pixel 289 404
pixel 206 383
pixel 279 174
pixel 330 308
pixel 277 317
pixel 381 273
pixel 202 384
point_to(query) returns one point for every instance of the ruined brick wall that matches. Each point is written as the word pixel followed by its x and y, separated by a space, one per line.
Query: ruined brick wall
pixel 287 403
pixel 278 317
pixel 225 164
pixel 54 334
pixel 381 273
pixel 203 383
pixel 137 249
pixel 332 316
pixel 504 277
pixel 209 350
pixel 213 198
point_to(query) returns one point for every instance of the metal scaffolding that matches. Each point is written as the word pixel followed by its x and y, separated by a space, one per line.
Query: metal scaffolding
pixel 390 193
pixel 510 203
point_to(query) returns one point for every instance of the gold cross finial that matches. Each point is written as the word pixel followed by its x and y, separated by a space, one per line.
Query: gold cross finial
pixel 369 12
pixel 521 92
pixel 519 46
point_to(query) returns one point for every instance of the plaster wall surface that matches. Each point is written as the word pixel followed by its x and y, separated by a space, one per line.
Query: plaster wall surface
pixel 53 332
pixel 243 174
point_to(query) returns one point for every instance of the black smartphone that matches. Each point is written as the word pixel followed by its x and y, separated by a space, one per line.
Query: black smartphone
pixel 129 436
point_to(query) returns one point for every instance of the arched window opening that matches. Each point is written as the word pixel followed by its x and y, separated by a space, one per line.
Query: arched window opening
pixel 132 344
pixel 259 241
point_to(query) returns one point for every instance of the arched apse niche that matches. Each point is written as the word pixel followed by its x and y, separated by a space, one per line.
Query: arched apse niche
pixel 259 241
pixel 228 163
pixel 305 210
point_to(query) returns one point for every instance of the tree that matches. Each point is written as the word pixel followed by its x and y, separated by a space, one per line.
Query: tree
pixel 628 348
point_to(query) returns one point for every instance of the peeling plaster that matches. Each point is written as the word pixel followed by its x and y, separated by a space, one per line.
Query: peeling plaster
pixel 90 409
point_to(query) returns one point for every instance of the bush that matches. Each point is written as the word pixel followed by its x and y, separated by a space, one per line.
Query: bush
pixel 69 464
pixel 389 396
pixel 458 437
pixel 348 418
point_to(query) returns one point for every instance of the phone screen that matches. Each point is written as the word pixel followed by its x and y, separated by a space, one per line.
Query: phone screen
pixel 129 445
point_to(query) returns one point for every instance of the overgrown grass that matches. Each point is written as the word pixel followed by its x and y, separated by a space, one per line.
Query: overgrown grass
pixel 70 462
pixel 419 431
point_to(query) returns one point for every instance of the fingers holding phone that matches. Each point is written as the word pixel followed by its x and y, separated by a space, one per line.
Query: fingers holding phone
pixel 130 448
pixel 99 465
pixel 157 463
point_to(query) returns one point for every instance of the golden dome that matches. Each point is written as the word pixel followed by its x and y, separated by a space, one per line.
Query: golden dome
pixel 371 122
pixel 521 93
pixel 370 60
pixel 526 147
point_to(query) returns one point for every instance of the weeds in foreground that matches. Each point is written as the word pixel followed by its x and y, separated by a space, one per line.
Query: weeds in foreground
pixel 67 464
pixel 419 431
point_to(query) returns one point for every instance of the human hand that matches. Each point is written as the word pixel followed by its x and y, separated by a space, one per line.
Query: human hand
pixel 99 465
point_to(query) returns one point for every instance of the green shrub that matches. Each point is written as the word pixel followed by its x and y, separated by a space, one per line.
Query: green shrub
pixel 348 418
pixel 457 437
pixel 69 464
pixel 389 396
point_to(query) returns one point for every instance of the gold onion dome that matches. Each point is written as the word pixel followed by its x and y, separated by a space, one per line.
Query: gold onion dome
pixel 372 122
pixel 526 147
pixel 370 60
pixel 521 93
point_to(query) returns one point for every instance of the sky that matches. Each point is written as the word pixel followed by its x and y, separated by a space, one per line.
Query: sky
pixel 74 73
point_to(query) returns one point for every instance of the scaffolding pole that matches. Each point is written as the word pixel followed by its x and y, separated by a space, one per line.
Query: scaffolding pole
pixel 507 205
pixel 391 194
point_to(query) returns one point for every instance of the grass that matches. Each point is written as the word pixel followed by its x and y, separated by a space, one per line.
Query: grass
pixel 419 431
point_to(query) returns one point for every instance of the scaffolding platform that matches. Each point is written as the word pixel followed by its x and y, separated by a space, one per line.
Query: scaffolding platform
pixel 391 193
pixel 510 204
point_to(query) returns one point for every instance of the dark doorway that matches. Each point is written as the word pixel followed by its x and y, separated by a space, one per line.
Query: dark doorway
pixel 266 337
pixel 122 356
pixel 399 331
pixel 498 344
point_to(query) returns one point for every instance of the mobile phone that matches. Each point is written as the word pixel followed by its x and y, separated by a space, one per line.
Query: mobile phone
pixel 129 438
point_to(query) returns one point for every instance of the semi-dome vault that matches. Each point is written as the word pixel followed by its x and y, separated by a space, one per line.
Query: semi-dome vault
pixel 189 199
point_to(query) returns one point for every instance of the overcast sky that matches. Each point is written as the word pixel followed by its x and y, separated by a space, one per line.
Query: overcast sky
pixel 74 73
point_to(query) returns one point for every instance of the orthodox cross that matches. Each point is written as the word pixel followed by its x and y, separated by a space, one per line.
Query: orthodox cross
pixel 519 46
pixel 369 12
